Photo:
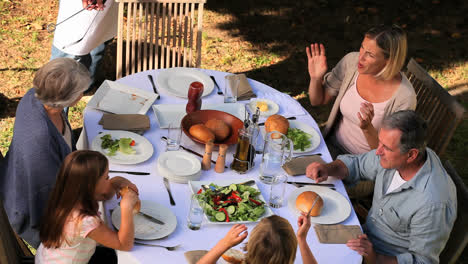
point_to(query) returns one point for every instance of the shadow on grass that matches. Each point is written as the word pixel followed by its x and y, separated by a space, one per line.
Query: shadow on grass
pixel 8 106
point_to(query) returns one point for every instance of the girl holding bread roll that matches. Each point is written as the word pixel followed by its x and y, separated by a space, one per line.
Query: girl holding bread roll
pixel 71 226
pixel 274 231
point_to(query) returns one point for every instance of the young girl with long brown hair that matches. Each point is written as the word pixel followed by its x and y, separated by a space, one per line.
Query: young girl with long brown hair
pixel 71 226
pixel 272 241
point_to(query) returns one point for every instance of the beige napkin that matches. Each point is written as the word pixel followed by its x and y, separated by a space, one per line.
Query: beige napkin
pixel 297 166
pixel 337 234
pixel 195 255
pixel 130 122
pixel 244 91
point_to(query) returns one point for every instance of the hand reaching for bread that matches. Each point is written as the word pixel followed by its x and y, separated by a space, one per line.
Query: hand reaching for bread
pixel 130 200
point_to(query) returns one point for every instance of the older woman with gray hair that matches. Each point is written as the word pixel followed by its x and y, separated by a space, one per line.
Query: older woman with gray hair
pixel 42 137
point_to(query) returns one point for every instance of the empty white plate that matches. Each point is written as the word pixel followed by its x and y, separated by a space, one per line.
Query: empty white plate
pixel 144 228
pixel 179 163
pixel 176 81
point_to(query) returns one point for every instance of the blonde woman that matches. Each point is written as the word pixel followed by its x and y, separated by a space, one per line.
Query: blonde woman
pixel 272 241
pixel 368 86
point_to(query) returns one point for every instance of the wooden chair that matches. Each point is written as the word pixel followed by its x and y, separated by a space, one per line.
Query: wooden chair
pixel 459 236
pixel 441 111
pixel 154 34
pixel 12 248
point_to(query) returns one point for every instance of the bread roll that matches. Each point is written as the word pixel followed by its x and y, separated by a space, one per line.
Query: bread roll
pixel 219 128
pixel 277 123
pixel 305 201
pixel 137 207
pixel 233 256
pixel 201 132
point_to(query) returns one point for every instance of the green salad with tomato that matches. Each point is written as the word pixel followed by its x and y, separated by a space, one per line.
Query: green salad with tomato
pixel 123 145
pixel 236 202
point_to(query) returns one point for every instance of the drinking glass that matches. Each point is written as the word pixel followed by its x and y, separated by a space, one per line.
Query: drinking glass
pixel 195 214
pixel 174 133
pixel 278 187
pixel 231 88
pixel 277 150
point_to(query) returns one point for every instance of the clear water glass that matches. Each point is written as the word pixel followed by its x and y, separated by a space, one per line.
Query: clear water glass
pixel 278 187
pixel 174 133
pixel 195 214
pixel 231 88
pixel 271 164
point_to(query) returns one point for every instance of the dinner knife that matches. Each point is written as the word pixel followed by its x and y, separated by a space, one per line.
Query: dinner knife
pixel 289 118
pixel 214 80
pixel 154 86
pixel 130 172
pixel 191 151
pixel 312 183
pixel 151 218
pixel 168 188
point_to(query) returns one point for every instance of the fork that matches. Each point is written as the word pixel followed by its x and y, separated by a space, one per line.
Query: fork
pixel 302 185
pixel 169 248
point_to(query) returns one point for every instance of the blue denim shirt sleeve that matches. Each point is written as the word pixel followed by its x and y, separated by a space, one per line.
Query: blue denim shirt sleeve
pixel 361 167
pixel 430 229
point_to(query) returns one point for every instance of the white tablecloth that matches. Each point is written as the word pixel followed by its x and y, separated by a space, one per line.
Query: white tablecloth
pixel 151 187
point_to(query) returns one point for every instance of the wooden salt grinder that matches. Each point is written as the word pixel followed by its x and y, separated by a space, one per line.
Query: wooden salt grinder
pixel 220 162
pixel 206 162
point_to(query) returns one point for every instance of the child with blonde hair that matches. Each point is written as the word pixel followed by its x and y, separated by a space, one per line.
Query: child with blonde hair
pixel 71 226
pixel 272 241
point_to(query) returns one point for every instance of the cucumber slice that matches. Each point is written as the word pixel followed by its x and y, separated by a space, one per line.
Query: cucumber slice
pixel 231 209
pixel 233 187
pixel 220 216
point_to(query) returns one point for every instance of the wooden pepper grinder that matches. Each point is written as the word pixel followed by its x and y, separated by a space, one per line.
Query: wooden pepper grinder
pixel 206 163
pixel 220 162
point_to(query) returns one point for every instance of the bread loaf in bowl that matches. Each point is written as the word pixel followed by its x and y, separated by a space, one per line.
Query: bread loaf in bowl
pixel 306 200
pixel 137 207
pixel 202 133
pixel 219 128
pixel 277 123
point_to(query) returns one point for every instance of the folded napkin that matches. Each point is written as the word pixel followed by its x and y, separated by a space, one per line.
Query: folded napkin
pixel 195 255
pixel 130 122
pixel 297 166
pixel 244 90
pixel 337 234
pixel 291 108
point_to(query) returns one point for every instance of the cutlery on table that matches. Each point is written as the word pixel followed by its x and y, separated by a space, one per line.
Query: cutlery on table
pixel 289 118
pixel 191 151
pixel 168 188
pixel 312 183
pixel 308 155
pixel 172 248
pixel 151 218
pixel 302 185
pixel 154 86
pixel 130 172
pixel 214 80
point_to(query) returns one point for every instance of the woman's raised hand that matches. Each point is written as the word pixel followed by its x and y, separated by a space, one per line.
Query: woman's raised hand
pixel 366 115
pixel 317 61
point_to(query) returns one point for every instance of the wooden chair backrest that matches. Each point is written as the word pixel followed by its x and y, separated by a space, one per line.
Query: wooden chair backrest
pixel 11 251
pixel 441 111
pixel 155 34
pixel 459 235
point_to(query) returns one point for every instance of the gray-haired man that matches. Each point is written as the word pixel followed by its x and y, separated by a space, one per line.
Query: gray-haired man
pixel 414 205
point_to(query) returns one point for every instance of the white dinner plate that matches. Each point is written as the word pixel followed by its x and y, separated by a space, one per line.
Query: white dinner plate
pixel 176 81
pixel 336 207
pixel 195 186
pixel 315 136
pixel 273 107
pixel 144 228
pixel 118 98
pixel 179 163
pixel 173 113
pixel 144 148
pixel 178 179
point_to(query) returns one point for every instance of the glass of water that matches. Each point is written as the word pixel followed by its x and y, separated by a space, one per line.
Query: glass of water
pixel 231 88
pixel 174 133
pixel 195 214
pixel 278 187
